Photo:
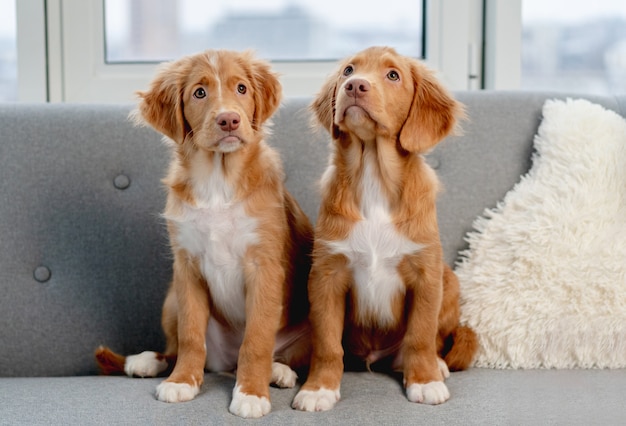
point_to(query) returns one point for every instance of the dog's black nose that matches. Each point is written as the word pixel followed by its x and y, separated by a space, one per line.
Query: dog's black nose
pixel 228 121
pixel 357 87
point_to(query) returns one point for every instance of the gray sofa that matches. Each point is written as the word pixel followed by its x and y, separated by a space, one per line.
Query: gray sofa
pixel 84 261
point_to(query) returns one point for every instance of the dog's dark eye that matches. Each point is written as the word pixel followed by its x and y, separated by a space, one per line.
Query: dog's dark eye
pixel 199 93
pixel 393 75
pixel 241 89
pixel 348 70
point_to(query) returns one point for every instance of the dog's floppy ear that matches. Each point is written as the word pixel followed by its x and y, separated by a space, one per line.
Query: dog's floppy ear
pixel 323 106
pixel 268 91
pixel 433 113
pixel 161 106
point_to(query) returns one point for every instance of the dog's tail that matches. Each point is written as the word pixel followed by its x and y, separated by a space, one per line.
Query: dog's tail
pixel 145 364
pixel 462 344
pixel 109 362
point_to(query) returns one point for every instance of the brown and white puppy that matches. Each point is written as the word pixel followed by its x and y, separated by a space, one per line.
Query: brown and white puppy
pixel 379 289
pixel 241 244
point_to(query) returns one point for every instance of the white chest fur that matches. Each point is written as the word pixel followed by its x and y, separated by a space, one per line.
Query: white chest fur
pixel 374 249
pixel 218 231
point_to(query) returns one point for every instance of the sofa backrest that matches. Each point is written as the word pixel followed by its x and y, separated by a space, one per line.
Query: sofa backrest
pixel 84 256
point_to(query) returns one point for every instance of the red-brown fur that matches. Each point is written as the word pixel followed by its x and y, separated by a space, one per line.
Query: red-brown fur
pixel 396 121
pixel 276 267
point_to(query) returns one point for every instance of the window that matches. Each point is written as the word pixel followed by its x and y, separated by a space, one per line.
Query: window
pixel 8 51
pixel 279 30
pixel 106 50
pixel 576 46
pixel 78 71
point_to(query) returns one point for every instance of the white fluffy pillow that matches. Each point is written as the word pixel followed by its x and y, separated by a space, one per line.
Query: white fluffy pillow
pixel 543 282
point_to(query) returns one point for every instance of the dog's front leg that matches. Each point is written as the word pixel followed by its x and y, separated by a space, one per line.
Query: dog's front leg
pixel 328 286
pixel 193 316
pixel 264 277
pixel 423 378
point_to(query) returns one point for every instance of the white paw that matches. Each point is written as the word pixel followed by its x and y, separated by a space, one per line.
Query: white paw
pixel 443 367
pixel 248 406
pixel 145 364
pixel 283 376
pixel 430 393
pixel 176 392
pixel 319 400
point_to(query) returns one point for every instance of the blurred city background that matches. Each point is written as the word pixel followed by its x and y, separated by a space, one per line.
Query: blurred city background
pixel 300 30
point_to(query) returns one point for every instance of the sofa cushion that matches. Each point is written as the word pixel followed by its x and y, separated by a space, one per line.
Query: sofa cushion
pixel 479 397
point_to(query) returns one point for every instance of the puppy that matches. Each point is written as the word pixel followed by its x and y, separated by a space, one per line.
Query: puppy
pixel 378 287
pixel 241 244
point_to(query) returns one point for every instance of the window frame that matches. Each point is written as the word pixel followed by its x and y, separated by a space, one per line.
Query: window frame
pixel 68 58
pixel 32 79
